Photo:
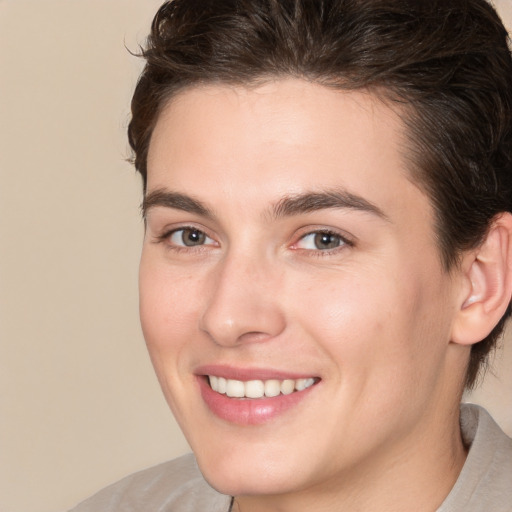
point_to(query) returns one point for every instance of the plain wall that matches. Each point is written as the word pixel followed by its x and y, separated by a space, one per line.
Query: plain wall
pixel 79 405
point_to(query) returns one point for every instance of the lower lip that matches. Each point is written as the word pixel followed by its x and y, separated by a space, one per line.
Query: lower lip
pixel 249 411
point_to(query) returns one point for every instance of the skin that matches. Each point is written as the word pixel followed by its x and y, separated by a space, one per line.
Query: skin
pixel 371 319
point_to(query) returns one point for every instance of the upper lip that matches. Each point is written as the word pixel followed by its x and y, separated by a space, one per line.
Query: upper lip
pixel 246 374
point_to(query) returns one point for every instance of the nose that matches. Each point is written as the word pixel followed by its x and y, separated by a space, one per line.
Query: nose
pixel 243 304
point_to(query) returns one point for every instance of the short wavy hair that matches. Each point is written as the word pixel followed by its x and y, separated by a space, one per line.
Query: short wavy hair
pixel 447 63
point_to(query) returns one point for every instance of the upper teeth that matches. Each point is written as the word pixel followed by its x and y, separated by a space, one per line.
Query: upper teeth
pixel 258 388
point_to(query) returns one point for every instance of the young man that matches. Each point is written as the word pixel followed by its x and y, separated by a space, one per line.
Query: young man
pixel 328 253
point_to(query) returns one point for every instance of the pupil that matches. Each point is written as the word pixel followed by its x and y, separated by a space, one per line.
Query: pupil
pixel 193 237
pixel 326 241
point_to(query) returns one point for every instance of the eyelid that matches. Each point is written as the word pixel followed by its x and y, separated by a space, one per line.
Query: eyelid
pixel 165 235
pixel 346 240
pixel 207 240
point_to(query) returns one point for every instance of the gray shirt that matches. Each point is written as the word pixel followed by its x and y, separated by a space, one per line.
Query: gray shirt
pixel 484 484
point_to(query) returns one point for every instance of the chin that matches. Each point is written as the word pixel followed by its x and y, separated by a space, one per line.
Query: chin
pixel 244 474
pixel 246 482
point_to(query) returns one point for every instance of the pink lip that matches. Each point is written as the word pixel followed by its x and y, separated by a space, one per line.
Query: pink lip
pixel 248 411
pixel 245 374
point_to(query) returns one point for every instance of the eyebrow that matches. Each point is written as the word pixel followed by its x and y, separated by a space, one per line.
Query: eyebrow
pixel 328 199
pixel 175 200
pixel 286 207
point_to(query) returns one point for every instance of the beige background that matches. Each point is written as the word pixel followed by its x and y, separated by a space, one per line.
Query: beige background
pixel 79 405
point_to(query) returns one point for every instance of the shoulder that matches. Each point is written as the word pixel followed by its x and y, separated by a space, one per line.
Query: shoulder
pixel 485 482
pixel 176 486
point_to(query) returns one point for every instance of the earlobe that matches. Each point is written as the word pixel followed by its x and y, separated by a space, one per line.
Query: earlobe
pixel 487 288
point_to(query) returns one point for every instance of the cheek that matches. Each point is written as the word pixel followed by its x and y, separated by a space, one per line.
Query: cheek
pixel 370 326
pixel 168 312
pixel 168 306
pixel 346 310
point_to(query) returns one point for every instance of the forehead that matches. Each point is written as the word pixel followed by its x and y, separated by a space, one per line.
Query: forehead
pixel 278 139
pixel 287 112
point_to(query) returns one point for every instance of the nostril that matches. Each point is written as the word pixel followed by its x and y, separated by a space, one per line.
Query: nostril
pixel 253 337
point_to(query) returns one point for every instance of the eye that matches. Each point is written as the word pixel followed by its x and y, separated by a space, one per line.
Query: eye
pixel 189 237
pixel 320 241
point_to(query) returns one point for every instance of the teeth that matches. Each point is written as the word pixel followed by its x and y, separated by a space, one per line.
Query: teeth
pixel 272 388
pixel 302 384
pixel 221 385
pixel 254 389
pixel 258 388
pixel 235 388
pixel 288 386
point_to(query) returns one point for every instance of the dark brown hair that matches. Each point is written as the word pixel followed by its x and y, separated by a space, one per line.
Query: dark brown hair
pixel 447 63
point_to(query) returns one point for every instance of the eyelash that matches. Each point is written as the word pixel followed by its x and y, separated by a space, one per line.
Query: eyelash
pixel 167 235
pixel 344 241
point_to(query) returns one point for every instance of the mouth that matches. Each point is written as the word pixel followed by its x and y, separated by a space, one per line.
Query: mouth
pixel 257 389
pixel 253 397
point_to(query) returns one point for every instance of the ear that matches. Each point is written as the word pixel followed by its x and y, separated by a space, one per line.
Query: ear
pixel 487 284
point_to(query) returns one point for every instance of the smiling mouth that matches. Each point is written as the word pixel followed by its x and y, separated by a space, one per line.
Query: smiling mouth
pixel 259 388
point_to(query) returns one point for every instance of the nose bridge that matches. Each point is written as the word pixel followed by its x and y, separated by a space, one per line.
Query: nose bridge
pixel 242 304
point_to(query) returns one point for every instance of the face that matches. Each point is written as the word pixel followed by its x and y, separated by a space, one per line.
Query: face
pixel 292 296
